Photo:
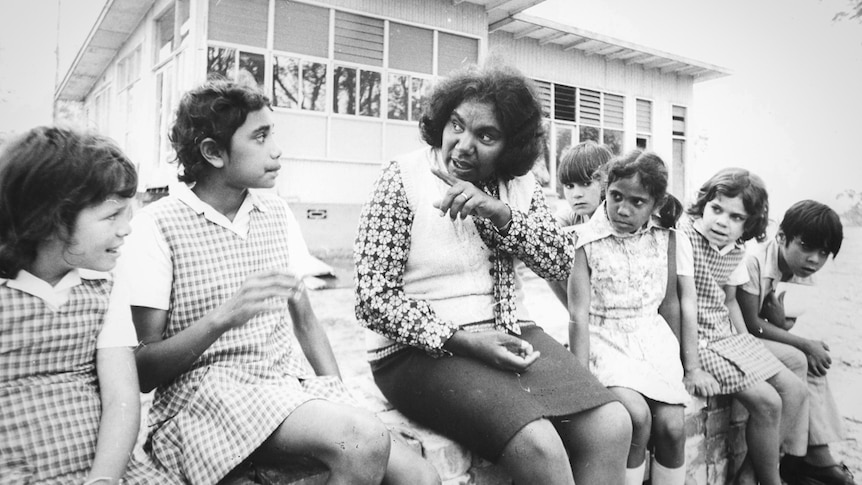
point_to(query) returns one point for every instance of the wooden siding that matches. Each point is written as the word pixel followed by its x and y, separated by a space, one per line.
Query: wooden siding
pixel 466 18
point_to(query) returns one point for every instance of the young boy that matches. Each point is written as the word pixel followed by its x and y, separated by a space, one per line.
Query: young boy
pixel 809 233
pixel 224 320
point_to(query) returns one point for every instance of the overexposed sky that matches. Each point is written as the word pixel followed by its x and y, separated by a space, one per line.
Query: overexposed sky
pixel 790 111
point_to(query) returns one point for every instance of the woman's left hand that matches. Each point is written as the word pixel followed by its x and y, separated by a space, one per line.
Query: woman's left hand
pixel 465 199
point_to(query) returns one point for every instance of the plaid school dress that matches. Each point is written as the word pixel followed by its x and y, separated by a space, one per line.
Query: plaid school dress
pixel 737 361
pixel 209 419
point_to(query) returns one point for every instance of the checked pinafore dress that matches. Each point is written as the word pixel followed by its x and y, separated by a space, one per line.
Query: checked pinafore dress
pixel 50 407
pixel 213 416
pixel 737 361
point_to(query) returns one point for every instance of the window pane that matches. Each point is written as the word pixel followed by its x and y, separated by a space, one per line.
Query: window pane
pixel 285 82
pixel 313 86
pixel 563 136
pixel 589 107
pixel 644 116
pixel 358 39
pixel 221 63
pixel 344 94
pixel 242 22
pixel 165 41
pixel 589 133
pixel 564 102
pixel 543 89
pixel 399 94
pixel 410 48
pixel 614 140
pixel 301 28
pixel 251 69
pixel 419 92
pixel 369 93
pixel 455 51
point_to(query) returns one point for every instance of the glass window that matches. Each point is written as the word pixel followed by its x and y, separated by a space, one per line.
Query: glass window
pixel 589 133
pixel 344 94
pixel 398 102
pixel 301 28
pixel 614 140
pixel 369 93
pixel 221 63
pixel 244 22
pixel 411 48
pixel 419 92
pixel 454 52
pixel 165 36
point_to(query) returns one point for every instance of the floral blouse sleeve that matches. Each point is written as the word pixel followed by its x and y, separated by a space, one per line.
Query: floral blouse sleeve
pixel 380 255
pixel 536 239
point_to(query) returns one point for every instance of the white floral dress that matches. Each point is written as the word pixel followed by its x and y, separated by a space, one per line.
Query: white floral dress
pixel 631 345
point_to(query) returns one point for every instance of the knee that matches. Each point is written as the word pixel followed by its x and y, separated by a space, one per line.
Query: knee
pixel 366 442
pixel 670 429
pixel 538 442
pixel 766 405
pixel 614 424
pixel 641 418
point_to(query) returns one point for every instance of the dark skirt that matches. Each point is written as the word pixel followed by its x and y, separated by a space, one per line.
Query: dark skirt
pixel 483 407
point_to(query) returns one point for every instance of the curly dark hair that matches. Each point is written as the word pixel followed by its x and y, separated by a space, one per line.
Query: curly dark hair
pixel 48 175
pixel 731 182
pixel 515 103
pixel 213 110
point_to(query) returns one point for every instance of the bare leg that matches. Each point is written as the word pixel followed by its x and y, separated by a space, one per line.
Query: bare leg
pixel 598 441
pixel 351 442
pixel 794 411
pixel 762 430
pixel 641 417
pixel 669 434
pixel 537 455
pixel 406 467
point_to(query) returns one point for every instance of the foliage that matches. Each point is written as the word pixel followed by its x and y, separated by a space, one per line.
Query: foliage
pixel 853 201
pixel 853 11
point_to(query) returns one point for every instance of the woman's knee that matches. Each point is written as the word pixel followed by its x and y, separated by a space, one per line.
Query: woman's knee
pixel 537 442
pixel 612 424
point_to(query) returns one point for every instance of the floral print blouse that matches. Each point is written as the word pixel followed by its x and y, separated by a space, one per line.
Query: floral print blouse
pixel 383 246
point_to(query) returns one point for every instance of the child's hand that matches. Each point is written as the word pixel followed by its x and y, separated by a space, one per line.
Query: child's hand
pixel 773 309
pixel 259 293
pixel 502 350
pixel 818 357
pixel 700 382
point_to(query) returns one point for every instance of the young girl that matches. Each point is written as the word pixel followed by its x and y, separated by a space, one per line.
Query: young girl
pixel 69 398
pixel 616 287
pixel 731 208
pixel 582 174
pixel 226 325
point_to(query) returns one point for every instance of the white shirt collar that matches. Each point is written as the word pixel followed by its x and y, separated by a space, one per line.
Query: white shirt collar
pixel 240 223
pixel 724 251
pixel 57 295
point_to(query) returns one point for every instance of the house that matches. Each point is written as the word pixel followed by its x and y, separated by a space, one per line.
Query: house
pixel 347 79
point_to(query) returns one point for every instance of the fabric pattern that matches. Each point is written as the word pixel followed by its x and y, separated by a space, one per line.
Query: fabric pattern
pixel 631 345
pixel 737 361
pixel 385 255
pixel 246 383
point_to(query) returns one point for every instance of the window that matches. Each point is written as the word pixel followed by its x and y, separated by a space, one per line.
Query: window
pixel 612 122
pixel 128 75
pixel 643 124
pixel 236 65
pixel 172 28
pixel 357 91
pixel 358 39
pixel 406 94
pixel 454 52
pixel 679 146
pixel 299 83
pixel 242 23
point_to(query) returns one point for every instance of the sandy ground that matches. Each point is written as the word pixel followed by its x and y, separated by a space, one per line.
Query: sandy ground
pixel 834 319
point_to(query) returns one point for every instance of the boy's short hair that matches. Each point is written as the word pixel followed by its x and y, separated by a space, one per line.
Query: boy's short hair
pixel 731 182
pixel 213 110
pixel 816 224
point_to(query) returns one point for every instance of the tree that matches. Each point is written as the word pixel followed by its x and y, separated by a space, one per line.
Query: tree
pixel 853 11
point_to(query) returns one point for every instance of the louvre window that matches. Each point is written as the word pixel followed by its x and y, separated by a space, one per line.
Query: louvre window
pixel 678 121
pixel 454 52
pixel 590 107
pixel 614 111
pixel 644 116
pixel 564 102
pixel 358 39
pixel 543 89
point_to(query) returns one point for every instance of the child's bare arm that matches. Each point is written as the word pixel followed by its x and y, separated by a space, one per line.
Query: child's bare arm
pixel 121 412
pixel 311 335
pixel 696 380
pixel 161 360
pixel 559 289
pixel 733 309
pixel 579 308
pixel 817 352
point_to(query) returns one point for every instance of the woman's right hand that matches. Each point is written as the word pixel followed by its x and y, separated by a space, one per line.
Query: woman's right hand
pixel 498 349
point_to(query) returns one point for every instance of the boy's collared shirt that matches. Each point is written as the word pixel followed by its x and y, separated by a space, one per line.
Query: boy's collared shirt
pixel 149 247
pixel 117 330
pixel 764 275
